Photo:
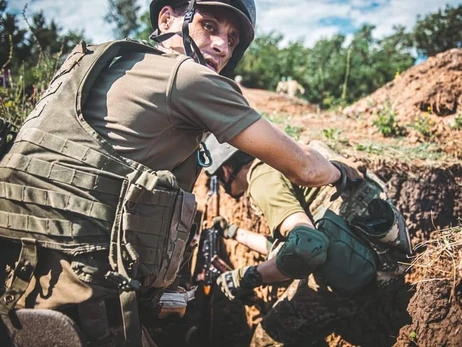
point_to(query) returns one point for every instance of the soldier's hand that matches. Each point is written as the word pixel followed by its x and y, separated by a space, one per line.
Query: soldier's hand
pixel 226 230
pixel 352 172
pixel 238 285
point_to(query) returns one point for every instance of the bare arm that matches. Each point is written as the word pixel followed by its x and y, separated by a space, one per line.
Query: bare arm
pixel 252 240
pixel 303 166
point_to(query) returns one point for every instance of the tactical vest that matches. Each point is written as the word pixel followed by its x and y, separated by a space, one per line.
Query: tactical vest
pixel 63 187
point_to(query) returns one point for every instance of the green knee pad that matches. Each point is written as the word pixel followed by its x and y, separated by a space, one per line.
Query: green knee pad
pixel 303 252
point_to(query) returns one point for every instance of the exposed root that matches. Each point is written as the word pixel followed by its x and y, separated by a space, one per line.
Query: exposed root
pixel 441 259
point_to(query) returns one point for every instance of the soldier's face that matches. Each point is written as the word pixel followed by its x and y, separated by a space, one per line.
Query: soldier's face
pixel 215 30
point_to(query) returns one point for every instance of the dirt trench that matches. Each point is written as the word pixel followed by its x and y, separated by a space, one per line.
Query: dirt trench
pixel 429 197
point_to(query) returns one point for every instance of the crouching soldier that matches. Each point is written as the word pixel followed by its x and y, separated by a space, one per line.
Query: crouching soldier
pixel 96 206
pixel 347 238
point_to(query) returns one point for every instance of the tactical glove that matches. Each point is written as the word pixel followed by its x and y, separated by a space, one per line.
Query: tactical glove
pixel 351 172
pixel 228 231
pixel 239 284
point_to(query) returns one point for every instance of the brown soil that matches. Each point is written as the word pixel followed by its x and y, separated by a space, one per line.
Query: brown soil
pixel 424 178
pixel 436 307
pixel 429 93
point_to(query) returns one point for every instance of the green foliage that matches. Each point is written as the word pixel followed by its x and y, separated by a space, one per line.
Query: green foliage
pixel 331 133
pixel 283 121
pixel 457 122
pixel 369 148
pixel 123 14
pixel 260 66
pixel 18 97
pixel 275 118
pixel 439 31
pixel 424 125
pixel 334 135
pixel 332 74
pixel 386 122
pixel 144 27
pixel 29 59
pixel 40 42
pixel 293 131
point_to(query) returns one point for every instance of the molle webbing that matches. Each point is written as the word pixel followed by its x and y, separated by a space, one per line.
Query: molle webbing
pixel 84 154
pixel 60 201
pixel 60 174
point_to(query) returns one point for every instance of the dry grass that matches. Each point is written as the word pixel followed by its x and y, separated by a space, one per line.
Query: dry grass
pixel 441 258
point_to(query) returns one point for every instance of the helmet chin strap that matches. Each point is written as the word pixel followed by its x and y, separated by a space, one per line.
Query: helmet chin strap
pixel 190 47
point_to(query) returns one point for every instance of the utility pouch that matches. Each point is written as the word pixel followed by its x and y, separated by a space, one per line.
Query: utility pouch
pixel 351 264
pixel 173 303
pixel 148 239
pixel 151 228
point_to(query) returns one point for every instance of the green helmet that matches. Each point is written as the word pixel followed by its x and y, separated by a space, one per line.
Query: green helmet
pixel 220 152
pixel 244 9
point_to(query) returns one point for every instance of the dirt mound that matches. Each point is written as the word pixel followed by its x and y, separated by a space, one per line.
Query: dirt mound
pixel 274 103
pixel 436 307
pixel 432 86
pixel 426 99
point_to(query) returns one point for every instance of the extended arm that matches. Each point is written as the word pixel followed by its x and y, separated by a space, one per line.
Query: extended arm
pixel 303 166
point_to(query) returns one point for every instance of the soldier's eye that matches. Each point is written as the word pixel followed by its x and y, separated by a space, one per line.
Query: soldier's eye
pixel 209 27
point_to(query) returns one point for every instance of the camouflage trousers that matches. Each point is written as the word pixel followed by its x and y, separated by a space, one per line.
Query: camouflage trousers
pixel 71 284
pixel 304 313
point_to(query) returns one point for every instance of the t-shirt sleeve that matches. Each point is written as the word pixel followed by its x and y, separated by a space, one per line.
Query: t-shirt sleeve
pixel 201 99
pixel 273 194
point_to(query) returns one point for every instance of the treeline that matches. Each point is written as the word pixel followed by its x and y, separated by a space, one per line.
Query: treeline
pixel 23 48
pixel 333 71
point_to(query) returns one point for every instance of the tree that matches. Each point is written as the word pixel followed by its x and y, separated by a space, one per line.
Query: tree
pixel 145 28
pixel 439 31
pixel 32 54
pixel 260 66
pixel 14 46
pixel 123 13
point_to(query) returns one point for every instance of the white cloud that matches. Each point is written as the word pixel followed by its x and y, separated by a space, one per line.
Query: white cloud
pixel 79 15
pixel 294 19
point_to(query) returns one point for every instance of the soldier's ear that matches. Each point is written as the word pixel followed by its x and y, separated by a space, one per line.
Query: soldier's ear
pixel 165 17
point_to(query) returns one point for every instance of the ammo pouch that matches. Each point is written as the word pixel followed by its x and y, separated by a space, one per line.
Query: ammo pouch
pixel 149 235
pixel 351 264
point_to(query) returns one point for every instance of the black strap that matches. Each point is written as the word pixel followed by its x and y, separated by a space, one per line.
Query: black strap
pixel 190 47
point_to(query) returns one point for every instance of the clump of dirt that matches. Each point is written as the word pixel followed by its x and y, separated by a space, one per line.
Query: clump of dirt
pixel 420 98
pixel 436 307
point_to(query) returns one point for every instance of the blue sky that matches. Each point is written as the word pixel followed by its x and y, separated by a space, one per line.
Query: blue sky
pixel 309 20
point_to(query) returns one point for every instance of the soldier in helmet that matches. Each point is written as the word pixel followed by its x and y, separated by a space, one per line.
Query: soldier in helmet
pixel 95 205
pixel 346 238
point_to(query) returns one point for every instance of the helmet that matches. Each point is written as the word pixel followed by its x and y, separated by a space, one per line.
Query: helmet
pixel 244 9
pixel 220 152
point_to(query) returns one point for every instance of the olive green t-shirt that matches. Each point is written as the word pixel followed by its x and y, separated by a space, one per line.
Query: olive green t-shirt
pixel 275 196
pixel 155 108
